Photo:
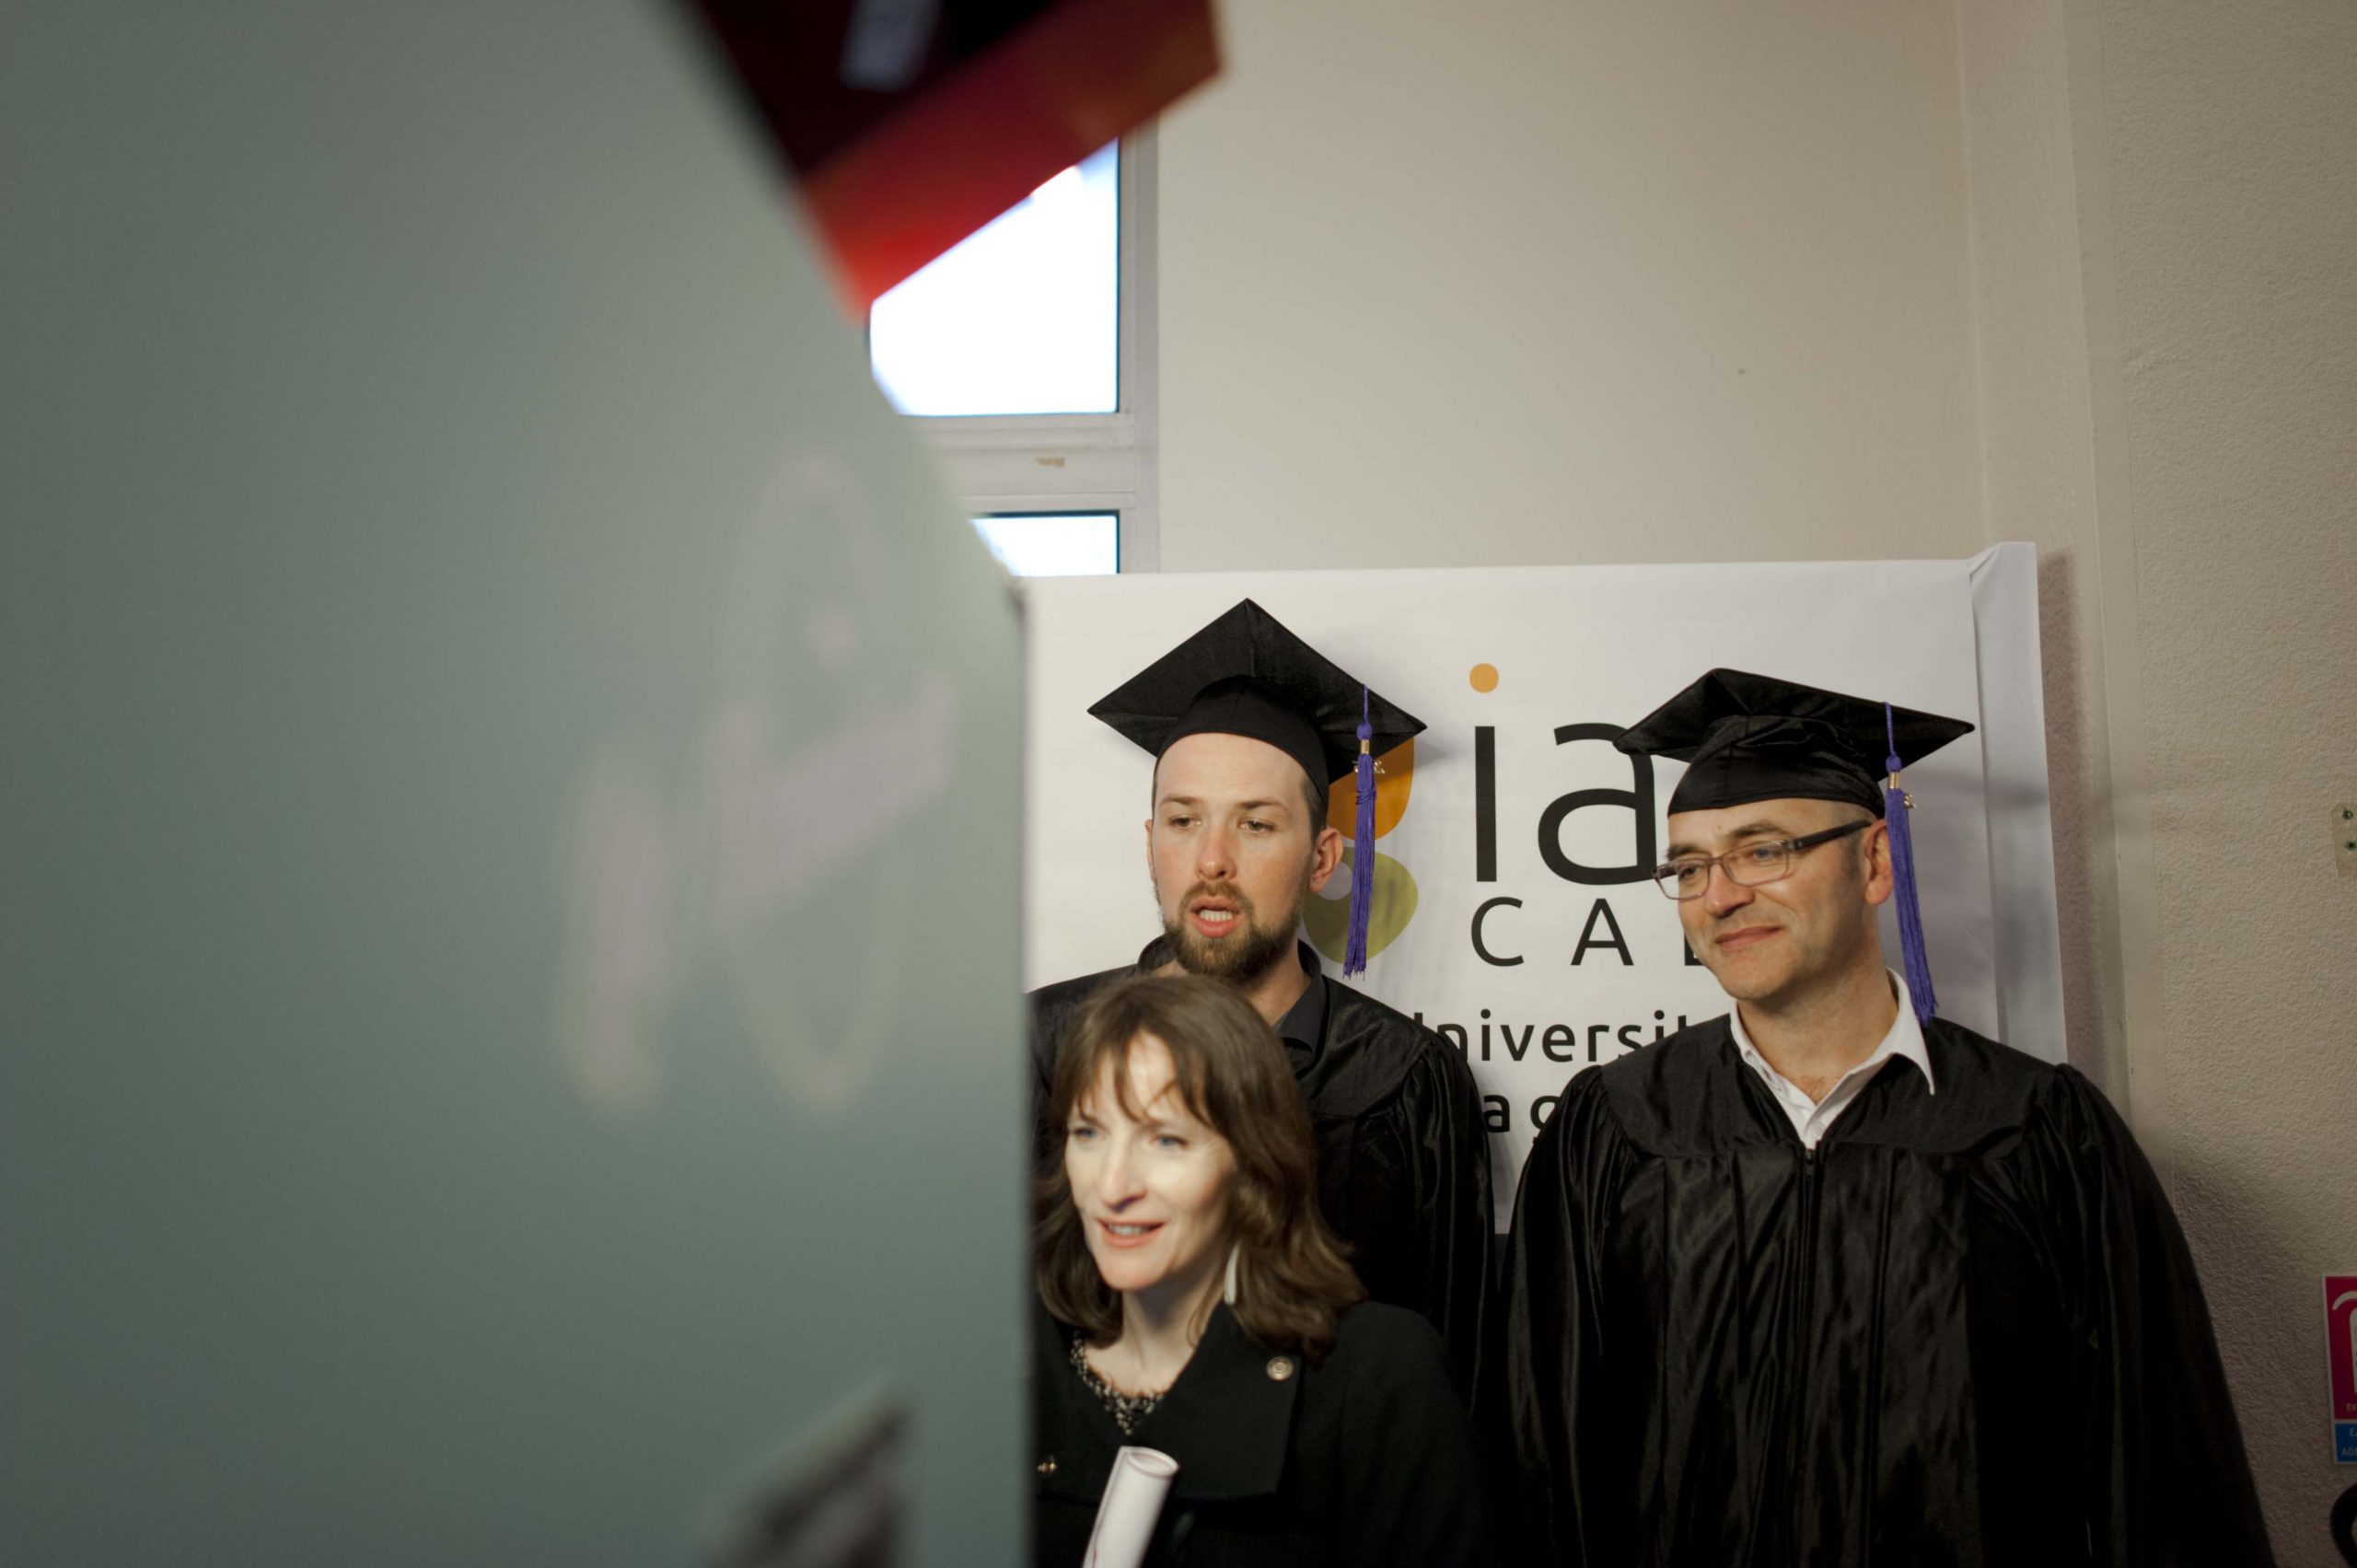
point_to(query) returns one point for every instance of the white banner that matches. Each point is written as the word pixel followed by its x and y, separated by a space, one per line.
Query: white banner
pixel 1513 912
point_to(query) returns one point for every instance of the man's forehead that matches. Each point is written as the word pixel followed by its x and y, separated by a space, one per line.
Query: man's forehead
pixel 1235 766
pixel 1752 820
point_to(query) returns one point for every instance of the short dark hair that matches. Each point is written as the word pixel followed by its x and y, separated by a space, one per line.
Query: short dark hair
pixel 1233 1075
pixel 1315 799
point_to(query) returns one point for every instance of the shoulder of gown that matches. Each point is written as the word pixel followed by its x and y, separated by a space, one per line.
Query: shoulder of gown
pixel 1689 1095
pixel 1388 1344
pixel 1679 1096
pixel 2008 1107
pixel 1374 1056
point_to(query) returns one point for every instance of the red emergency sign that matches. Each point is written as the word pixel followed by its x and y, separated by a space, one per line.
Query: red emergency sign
pixel 2340 1342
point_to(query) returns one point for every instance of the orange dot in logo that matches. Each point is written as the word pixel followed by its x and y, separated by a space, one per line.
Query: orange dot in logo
pixel 1484 678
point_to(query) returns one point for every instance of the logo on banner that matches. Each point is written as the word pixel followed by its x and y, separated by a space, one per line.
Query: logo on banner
pixel 1502 934
pixel 1327 916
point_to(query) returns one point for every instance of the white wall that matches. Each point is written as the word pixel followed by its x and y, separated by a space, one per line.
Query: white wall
pixel 1507 281
pixel 1536 281
pixel 2230 235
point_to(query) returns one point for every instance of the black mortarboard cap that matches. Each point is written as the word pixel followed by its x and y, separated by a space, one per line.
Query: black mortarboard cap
pixel 1245 674
pixel 1747 738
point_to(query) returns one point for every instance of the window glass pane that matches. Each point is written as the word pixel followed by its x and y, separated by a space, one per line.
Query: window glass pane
pixel 1057 544
pixel 1022 317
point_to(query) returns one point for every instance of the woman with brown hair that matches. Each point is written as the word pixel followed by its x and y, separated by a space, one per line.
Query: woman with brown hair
pixel 1193 1302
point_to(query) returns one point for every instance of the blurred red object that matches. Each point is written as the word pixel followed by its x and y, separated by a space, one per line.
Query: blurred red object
pixel 911 123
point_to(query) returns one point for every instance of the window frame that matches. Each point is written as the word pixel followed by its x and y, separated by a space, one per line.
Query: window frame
pixel 1081 463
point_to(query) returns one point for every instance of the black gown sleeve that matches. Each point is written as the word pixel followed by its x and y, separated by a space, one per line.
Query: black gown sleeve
pixel 1407 1186
pixel 2166 1477
pixel 1451 1246
pixel 1566 1483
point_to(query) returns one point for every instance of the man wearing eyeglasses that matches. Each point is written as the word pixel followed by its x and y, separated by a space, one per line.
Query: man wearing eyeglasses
pixel 1830 1279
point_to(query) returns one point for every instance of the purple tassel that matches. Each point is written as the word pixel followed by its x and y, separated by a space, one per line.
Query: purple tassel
pixel 1362 844
pixel 1902 869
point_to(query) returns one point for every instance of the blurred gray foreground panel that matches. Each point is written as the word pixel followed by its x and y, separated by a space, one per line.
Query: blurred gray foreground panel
pixel 509 1048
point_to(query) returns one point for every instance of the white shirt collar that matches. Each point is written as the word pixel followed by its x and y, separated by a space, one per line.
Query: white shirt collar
pixel 1811 1118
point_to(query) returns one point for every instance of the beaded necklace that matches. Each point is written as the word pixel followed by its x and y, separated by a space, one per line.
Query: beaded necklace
pixel 1127 1410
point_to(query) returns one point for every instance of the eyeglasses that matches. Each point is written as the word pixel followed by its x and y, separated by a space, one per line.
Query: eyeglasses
pixel 1746 867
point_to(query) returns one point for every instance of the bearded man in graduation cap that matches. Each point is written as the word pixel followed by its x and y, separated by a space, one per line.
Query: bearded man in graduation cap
pixel 1831 1279
pixel 1250 728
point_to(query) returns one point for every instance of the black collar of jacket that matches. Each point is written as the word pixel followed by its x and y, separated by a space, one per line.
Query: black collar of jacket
pixel 1227 1420
pixel 1302 1028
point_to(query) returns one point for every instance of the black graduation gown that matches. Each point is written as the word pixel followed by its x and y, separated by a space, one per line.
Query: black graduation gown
pixel 1404 1154
pixel 1965 1330
pixel 1364 1459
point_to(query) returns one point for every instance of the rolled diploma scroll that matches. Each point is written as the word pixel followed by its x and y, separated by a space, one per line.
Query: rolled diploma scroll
pixel 1125 1519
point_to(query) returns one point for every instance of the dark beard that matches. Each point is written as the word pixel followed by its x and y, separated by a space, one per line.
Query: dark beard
pixel 1239 959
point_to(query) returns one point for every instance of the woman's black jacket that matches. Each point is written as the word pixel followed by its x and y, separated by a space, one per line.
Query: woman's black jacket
pixel 1366 1458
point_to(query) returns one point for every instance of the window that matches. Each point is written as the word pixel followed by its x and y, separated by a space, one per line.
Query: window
pixel 1054 544
pixel 1025 357
pixel 1022 317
